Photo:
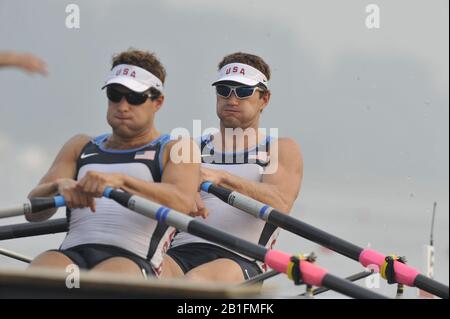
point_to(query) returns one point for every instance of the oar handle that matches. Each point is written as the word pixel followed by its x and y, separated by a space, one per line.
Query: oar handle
pixel 220 192
pixel 121 197
pixel 41 203
pixel 33 205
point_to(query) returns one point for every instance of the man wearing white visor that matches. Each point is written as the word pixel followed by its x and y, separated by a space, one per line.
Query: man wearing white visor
pixel 268 169
pixel 103 236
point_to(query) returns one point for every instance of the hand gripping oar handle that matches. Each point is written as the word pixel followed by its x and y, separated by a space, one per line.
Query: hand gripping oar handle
pixel 33 205
pixel 282 262
pixel 404 274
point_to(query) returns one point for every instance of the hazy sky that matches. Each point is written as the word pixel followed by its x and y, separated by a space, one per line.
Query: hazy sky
pixel 369 107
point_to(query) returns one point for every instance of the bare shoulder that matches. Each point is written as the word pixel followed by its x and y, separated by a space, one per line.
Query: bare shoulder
pixel 64 164
pixel 74 145
pixel 181 144
pixel 185 148
pixel 79 140
pixel 288 147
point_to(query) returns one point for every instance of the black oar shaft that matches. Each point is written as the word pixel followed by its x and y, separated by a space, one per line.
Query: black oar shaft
pixel 242 246
pixel 314 234
pixel 351 278
pixel 33 229
pixel 346 287
pixel 432 286
pixel 284 221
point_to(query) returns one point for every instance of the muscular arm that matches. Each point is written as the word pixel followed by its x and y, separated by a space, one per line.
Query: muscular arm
pixel 279 189
pixel 177 189
pixel 63 167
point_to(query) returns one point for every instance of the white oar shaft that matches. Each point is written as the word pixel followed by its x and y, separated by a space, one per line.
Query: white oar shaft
pixel 14 211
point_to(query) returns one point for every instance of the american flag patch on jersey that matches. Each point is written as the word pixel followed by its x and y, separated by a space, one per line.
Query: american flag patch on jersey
pixel 145 155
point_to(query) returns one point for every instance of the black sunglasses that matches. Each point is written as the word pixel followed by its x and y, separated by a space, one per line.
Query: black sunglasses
pixel 241 92
pixel 132 98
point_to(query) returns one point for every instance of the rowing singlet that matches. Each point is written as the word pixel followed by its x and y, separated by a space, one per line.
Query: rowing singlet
pixel 113 224
pixel 249 165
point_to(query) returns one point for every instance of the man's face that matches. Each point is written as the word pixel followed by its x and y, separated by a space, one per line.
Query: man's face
pixel 130 120
pixel 235 112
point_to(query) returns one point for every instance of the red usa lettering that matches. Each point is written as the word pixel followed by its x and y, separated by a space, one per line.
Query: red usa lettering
pixel 235 69
pixel 125 72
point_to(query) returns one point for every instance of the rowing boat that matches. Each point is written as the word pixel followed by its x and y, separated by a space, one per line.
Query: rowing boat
pixel 44 283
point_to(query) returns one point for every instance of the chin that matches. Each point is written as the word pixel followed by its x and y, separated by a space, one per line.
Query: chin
pixel 232 124
pixel 123 130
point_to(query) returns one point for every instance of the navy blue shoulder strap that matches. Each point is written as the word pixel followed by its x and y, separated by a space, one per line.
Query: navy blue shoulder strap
pixel 163 140
pixel 99 139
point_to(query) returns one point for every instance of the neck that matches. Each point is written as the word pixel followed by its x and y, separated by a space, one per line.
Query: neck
pixel 120 142
pixel 238 139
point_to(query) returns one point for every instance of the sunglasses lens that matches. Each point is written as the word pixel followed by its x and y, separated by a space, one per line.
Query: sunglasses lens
pixel 113 95
pixel 244 91
pixel 131 97
pixel 223 90
pixel 136 98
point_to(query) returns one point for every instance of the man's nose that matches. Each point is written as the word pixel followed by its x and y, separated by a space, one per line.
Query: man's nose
pixel 123 104
pixel 233 99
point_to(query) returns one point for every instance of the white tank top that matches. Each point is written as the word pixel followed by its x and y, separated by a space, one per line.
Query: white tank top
pixel 113 224
pixel 225 217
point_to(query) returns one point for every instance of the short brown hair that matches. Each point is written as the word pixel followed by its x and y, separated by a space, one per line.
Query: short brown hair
pixel 247 58
pixel 143 59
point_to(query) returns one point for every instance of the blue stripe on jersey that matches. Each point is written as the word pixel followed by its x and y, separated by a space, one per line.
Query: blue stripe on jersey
pixel 207 140
pixel 100 139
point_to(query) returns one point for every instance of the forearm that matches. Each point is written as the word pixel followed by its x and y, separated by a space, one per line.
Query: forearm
pixel 163 193
pixel 263 192
pixel 9 58
pixel 6 58
pixel 44 190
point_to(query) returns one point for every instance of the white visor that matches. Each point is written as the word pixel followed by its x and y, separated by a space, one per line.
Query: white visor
pixel 242 73
pixel 133 77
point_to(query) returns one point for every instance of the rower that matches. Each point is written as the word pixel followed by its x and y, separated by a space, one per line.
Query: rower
pixel 104 236
pixel 241 158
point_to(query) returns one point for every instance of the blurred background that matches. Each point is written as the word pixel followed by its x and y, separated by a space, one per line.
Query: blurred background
pixel 369 107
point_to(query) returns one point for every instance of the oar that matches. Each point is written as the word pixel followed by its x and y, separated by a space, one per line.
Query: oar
pixel 51 226
pixel 277 260
pixel 11 254
pixel 33 205
pixel 404 274
pixel 352 278
pixel 260 278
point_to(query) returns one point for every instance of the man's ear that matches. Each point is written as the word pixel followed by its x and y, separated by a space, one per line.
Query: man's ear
pixel 265 100
pixel 158 103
